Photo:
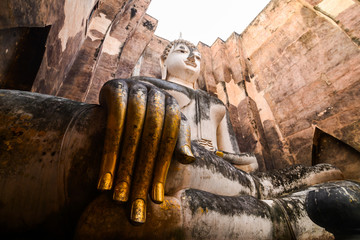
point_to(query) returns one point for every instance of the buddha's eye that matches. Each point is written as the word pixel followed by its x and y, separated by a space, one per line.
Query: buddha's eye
pixel 198 58
pixel 181 51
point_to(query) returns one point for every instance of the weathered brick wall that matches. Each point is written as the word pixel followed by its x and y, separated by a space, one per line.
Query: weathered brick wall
pixel 116 36
pixel 306 64
pixel 89 43
pixel 64 41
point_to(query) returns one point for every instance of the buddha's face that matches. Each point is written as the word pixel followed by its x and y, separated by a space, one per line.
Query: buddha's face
pixel 183 63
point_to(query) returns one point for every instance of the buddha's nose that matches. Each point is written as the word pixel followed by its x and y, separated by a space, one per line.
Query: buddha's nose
pixel 191 57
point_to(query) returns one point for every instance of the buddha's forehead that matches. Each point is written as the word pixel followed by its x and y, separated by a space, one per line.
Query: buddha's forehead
pixel 184 46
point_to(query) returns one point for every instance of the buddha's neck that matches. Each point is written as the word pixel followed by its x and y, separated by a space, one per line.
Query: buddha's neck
pixel 180 82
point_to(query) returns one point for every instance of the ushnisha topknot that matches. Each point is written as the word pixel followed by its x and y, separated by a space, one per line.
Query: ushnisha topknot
pixel 174 43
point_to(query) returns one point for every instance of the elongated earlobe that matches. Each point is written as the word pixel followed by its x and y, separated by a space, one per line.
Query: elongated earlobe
pixel 163 68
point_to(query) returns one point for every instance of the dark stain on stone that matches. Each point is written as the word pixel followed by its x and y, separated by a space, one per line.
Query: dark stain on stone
pixel 308 16
pixel 278 213
pixel 204 101
pixel 148 25
pixel 96 33
pixel 96 53
pixel 356 40
pixel 209 160
pixel 225 205
pixel 247 78
pixel 133 12
pixel 293 207
pixel 202 107
pixel 285 178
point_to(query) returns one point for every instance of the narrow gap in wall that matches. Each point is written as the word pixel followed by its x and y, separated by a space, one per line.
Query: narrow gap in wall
pixel 96 6
pixel 22 50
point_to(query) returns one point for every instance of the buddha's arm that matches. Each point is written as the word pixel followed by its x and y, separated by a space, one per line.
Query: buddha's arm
pixel 226 140
pixel 228 147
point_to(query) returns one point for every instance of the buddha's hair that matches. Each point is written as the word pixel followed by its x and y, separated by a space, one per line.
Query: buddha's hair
pixel 174 43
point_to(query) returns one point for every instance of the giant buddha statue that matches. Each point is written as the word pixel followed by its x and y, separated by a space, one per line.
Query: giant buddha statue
pixel 167 165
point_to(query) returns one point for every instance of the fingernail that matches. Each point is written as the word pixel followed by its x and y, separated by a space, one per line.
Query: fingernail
pixel 189 157
pixel 121 192
pixel 138 211
pixel 105 182
pixel 158 192
pixel 219 153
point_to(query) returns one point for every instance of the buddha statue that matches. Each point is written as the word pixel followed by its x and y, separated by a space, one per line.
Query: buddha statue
pixel 152 147
pixel 210 198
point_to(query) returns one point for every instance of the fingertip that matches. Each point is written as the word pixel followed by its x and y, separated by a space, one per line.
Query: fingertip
pixel 184 154
pixel 187 155
pixel 219 153
pixel 138 211
pixel 105 182
pixel 157 193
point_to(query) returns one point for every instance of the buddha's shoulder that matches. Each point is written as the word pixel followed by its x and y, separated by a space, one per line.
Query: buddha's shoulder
pixel 203 96
pixel 211 98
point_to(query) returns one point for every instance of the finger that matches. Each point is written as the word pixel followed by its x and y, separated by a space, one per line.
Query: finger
pixel 113 97
pixel 134 124
pixel 167 143
pixel 237 158
pixel 183 151
pixel 149 146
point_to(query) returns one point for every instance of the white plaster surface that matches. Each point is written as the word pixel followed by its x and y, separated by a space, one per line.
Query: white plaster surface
pixel 76 13
pixel 335 7
pixel 264 108
pixel 221 92
pixel 235 93
pixel 111 45
pixel 99 23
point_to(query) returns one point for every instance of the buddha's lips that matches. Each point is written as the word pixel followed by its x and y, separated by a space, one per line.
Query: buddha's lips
pixel 191 64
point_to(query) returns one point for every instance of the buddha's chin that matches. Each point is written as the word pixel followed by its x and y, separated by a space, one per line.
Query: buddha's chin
pixel 191 71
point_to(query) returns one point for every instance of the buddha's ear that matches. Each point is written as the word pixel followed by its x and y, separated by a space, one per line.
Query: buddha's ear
pixel 163 68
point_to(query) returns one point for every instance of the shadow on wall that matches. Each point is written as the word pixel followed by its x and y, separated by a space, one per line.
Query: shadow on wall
pixel 21 53
pixel 328 149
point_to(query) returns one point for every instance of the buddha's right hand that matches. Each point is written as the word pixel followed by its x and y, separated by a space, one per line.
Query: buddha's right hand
pixel 144 126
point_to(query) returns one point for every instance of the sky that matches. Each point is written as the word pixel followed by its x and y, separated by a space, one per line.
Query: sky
pixel 203 20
